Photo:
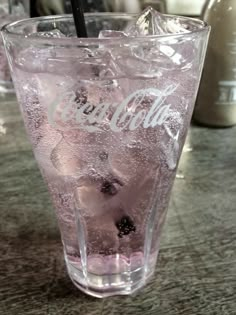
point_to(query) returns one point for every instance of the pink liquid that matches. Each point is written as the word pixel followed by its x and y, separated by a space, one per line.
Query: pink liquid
pixel 110 189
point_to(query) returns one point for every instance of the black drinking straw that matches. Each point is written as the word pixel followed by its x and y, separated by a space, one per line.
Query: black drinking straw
pixel 79 19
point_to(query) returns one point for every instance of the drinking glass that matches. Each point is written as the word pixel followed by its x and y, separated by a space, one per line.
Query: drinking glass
pixel 107 118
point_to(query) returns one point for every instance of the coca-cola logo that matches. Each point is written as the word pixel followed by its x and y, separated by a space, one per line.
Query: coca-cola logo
pixel 65 113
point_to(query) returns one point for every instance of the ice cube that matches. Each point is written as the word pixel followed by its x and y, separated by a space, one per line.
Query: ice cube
pixel 174 26
pixel 97 195
pixel 89 198
pixel 102 237
pixel 172 153
pixel 148 23
pixel 57 60
pixel 65 160
pixel 133 63
pixel 130 160
pixel 34 60
pixel 112 34
pixel 50 34
pixel 152 22
pixel 152 58
pixel 169 140
pixel 110 70
pixel 140 185
pixel 43 150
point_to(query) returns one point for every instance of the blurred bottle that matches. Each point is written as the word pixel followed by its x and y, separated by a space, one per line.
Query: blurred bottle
pixel 216 103
pixel 185 7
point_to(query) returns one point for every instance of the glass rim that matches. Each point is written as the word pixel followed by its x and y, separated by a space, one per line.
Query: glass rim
pixel 203 27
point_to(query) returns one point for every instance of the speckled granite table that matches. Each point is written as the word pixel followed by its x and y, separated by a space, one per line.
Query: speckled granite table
pixel 196 271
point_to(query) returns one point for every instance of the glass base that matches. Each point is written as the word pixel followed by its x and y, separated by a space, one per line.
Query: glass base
pixel 101 286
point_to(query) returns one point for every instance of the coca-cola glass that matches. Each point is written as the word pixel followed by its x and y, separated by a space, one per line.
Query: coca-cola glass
pixel 107 117
pixel 10 10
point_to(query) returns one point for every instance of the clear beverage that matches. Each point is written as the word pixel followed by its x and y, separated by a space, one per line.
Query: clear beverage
pixel 107 125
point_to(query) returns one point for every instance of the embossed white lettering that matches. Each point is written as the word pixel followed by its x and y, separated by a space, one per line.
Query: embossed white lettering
pixel 143 108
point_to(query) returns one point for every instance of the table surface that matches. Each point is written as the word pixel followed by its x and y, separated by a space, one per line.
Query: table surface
pixel 196 270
